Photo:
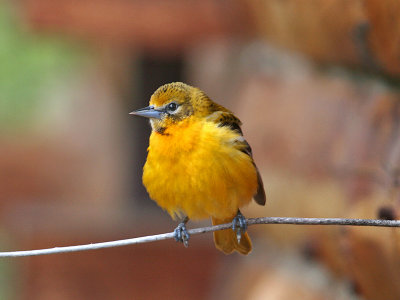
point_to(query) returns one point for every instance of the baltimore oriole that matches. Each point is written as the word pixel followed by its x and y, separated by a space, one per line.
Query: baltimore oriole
pixel 199 165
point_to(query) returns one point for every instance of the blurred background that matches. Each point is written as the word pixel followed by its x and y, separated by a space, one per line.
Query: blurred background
pixel 316 84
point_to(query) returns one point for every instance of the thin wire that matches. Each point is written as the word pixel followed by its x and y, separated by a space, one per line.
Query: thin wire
pixel 165 236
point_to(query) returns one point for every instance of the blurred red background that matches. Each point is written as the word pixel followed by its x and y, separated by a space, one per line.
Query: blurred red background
pixel 315 85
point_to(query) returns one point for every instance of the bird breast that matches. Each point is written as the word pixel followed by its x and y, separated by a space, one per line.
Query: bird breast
pixel 195 169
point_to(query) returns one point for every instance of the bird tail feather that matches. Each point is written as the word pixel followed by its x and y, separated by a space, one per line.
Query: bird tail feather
pixel 226 241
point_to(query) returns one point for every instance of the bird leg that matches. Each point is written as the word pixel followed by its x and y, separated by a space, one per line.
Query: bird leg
pixel 239 225
pixel 181 234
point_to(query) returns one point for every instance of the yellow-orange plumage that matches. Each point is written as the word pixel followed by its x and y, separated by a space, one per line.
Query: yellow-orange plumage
pixel 195 171
pixel 198 163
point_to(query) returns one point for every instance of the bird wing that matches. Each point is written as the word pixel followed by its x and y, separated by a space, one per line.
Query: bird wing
pixel 228 119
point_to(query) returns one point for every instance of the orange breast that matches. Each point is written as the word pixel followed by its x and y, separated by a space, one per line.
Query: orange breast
pixel 195 170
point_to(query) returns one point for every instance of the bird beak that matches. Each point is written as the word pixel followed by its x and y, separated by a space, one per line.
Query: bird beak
pixel 148 112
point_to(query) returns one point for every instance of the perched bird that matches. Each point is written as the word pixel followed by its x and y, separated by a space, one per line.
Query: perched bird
pixel 199 165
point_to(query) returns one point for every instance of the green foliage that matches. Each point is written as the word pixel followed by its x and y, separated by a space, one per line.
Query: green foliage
pixel 28 63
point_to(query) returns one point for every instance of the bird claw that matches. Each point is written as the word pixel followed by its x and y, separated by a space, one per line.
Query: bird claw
pixel 181 234
pixel 239 225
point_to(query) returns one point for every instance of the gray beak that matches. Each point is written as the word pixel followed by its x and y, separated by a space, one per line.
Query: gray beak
pixel 148 112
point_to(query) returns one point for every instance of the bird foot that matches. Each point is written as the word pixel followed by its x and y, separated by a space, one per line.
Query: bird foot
pixel 239 225
pixel 181 234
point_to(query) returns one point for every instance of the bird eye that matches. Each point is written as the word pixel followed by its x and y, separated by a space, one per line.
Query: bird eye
pixel 172 106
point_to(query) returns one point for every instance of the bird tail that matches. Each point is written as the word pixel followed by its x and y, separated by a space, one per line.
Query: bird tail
pixel 226 241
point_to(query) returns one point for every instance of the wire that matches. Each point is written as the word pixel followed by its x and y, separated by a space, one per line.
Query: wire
pixel 165 236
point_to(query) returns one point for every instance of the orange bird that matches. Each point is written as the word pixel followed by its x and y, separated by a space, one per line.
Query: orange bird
pixel 199 165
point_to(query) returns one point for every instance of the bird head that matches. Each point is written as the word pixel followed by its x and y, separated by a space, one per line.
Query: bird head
pixel 174 102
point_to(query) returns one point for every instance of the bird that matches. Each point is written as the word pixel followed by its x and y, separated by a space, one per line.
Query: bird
pixel 199 165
